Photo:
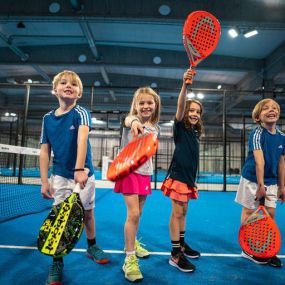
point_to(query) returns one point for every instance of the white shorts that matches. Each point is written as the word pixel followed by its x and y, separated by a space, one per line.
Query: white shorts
pixel 63 188
pixel 247 191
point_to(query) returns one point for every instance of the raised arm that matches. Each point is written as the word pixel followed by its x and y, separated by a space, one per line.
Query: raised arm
pixel 181 102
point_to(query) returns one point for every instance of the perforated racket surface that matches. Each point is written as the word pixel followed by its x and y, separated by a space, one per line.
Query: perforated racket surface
pixel 132 156
pixel 63 226
pixel 259 235
pixel 201 34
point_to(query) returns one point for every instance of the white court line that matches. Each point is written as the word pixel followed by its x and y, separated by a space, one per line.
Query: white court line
pixel 122 252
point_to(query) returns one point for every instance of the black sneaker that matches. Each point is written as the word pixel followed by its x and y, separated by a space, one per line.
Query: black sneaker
pixel 256 260
pixel 189 252
pixel 275 262
pixel 181 262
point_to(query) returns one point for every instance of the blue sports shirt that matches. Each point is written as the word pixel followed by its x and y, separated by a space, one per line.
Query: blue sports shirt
pixel 61 133
pixel 272 146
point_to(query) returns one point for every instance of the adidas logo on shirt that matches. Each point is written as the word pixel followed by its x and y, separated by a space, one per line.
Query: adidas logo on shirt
pixel 72 127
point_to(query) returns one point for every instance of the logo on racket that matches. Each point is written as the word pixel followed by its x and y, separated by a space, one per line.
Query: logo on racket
pixel 255 246
pixel 192 52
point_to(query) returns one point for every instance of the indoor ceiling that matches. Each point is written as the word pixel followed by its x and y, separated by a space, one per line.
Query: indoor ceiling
pixel 118 45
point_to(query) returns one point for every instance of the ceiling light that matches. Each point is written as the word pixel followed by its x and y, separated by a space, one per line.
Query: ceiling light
pixel 164 10
pixel 82 58
pixel 233 32
pixel 250 33
pixel 157 60
pixel 190 95
pixel 54 7
pixel 200 95
pixel 219 86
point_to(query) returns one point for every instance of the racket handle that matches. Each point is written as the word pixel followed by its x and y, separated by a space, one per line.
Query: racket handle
pixel 76 188
pixel 262 201
pixel 189 81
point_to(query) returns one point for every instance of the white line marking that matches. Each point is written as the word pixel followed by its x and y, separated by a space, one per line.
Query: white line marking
pixel 122 252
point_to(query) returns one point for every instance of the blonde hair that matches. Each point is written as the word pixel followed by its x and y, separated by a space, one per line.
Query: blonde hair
pixel 149 91
pixel 258 108
pixel 199 126
pixel 74 77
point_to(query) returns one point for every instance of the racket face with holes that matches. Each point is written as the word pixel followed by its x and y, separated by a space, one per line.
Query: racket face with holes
pixel 259 235
pixel 132 156
pixel 201 34
pixel 62 228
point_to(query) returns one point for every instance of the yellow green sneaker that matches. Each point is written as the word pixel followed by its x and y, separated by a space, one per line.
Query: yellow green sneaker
pixel 140 251
pixel 131 269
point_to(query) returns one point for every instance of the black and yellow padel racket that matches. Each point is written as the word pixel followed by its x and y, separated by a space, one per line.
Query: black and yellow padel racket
pixel 63 226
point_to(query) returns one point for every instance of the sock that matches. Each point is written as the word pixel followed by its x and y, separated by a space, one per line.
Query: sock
pixel 175 247
pixel 130 252
pixel 58 259
pixel 182 238
pixel 91 242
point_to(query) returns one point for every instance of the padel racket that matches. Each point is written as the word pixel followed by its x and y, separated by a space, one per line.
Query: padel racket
pixel 259 235
pixel 63 226
pixel 132 156
pixel 201 34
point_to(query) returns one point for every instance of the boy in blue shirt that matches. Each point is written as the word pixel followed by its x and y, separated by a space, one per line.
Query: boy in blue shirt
pixel 65 132
pixel 263 172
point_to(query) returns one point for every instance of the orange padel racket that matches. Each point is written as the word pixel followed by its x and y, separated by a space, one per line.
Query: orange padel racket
pixel 201 34
pixel 259 235
pixel 132 156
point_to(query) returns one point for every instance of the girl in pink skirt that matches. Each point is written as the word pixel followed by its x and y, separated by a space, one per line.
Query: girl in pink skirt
pixel 143 118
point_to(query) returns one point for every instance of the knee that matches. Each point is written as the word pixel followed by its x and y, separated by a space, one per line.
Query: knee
pixel 88 214
pixel 134 217
pixel 178 214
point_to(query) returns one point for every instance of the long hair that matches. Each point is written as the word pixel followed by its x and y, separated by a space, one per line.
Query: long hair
pixel 149 91
pixel 197 127
pixel 73 75
pixel 258 108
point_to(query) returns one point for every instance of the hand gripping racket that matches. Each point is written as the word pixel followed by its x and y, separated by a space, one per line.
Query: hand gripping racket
pixel 132 156
pixel 259 234
pixel 201 34
pixel 63 226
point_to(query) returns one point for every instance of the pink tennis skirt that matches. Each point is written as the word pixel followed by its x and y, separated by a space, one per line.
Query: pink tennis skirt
pixel 133 183
pixel 178 191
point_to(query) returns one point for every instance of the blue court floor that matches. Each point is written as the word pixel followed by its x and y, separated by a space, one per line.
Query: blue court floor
pixel 212 228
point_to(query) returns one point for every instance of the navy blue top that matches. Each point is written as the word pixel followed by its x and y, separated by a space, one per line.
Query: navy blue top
pixel 272 146
pixel 61 133
pixel 184 165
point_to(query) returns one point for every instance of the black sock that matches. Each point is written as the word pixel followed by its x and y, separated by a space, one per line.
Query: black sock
pixel 91 242
pixel 175 247
pixel 182 238
pixel 58 259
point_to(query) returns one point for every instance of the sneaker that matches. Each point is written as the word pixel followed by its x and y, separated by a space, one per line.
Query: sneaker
pixel 189 252
pixel 140 251
pixel 97 254
pixel 182 263
pixel 275 262
pixel 256 260
pixel 55 274
pixel 131 269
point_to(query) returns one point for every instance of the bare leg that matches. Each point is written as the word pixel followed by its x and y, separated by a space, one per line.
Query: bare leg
pixel 132 221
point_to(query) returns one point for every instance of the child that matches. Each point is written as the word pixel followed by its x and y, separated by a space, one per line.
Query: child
pixel 65 132
pixel 179 184
pixel 263 169
pixel 143 118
